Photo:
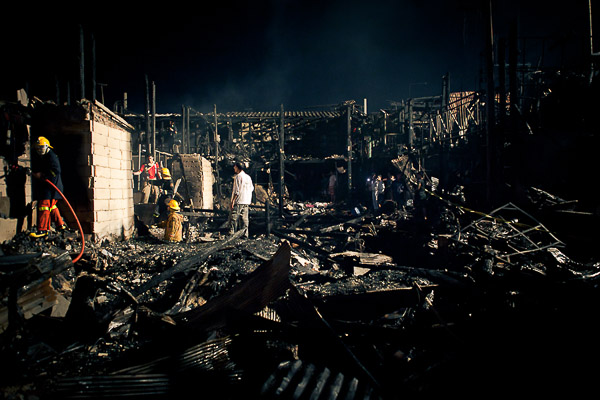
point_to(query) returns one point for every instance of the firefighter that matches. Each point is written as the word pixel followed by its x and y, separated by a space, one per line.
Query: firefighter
pixel 46 166
pixel 173 225
pixel 166 195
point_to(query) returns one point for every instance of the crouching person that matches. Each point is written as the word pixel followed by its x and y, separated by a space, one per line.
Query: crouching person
pixel 173 225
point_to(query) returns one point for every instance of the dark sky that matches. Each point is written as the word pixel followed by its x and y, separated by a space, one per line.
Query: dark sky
pixel 261 54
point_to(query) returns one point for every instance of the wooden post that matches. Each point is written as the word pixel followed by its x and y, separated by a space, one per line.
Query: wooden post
pixel 217 153
pixel 183 144
pixel 81 63
pixel 502 80
pixel 349 147
pixel 281 159
pixel 187 129
pixel 148 124
pixel 153 120
pixel 512 77
pixel 268 216
pixel 94 70
pixel 490 136
pixel 411 132
pixel 140 162
pixel 441 130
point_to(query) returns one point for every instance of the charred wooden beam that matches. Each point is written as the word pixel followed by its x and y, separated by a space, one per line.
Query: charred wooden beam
pixel 186 264
pixel 341 225
pixel 266 283
pixel 315 249
pixel 315 233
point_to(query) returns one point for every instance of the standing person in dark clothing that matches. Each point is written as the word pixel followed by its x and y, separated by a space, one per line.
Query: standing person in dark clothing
pixel 46 165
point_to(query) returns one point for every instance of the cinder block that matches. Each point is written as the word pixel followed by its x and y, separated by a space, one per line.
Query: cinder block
pixel 114 163
pixel 99 137
pixel 101 150
pixel 125 145
pixel 122 175
pixel 126 164
pixel 118 204
pixel 102 171
pixel 99 205
pixel 115 134
pixel 99 194
pixel 100 183
pixel 99 160
pixel 117 193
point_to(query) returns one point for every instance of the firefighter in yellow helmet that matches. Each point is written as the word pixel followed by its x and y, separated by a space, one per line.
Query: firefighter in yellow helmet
pixel 46 166
pixel 167 193
pixel 173 225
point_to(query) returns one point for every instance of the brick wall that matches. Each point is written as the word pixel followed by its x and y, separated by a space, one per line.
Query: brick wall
pixel 111 182
pixel 95 156
pixel 10 223
pixel 110 179
pixel 94 148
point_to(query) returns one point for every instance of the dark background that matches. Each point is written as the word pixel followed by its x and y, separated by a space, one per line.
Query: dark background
pixel 261 54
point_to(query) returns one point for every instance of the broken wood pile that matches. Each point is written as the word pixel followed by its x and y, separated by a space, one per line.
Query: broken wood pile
pixel 332 304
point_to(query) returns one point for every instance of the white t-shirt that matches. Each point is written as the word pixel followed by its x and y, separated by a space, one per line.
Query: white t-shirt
pixel 332 180
pixel 243 188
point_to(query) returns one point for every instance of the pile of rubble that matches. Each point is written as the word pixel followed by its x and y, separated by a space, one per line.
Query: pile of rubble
pixel 322 303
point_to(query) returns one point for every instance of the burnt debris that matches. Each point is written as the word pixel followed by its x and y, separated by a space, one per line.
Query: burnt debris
pixel 314 310
pixel 473 271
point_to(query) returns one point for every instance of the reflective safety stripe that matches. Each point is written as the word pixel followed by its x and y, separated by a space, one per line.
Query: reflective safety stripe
pixel 53 207
pixel 44 208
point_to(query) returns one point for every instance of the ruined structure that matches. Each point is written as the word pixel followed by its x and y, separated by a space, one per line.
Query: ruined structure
pixel 94 147
pixel 482 278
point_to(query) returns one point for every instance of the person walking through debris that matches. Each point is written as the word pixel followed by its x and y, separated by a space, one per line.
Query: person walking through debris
pixel 150 174
pixel 46 166
pixel 173 225
pixel 241 197
pixel 377 190
pixel 332 186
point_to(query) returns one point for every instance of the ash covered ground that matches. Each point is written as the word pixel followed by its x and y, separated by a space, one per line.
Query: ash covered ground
pixel 423 316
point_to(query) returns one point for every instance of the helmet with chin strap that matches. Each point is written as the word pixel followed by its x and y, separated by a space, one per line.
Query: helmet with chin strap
pixel 174 205
pixel 42 144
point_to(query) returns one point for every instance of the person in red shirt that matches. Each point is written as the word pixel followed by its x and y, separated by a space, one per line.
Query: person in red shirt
pixel 151 174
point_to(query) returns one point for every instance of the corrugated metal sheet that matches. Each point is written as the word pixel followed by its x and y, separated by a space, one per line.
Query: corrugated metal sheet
pixel 286 114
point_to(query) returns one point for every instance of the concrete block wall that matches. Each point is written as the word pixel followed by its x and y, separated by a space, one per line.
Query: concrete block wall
pixel 110 185
pixel 95 156
pixel 11 224
pixel 198 179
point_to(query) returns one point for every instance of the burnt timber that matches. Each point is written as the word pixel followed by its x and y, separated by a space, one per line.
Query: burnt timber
pixel 489 286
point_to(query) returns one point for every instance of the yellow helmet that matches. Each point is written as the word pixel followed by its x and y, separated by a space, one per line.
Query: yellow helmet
pixel 166 173
pixel 42 141
pixel 174 205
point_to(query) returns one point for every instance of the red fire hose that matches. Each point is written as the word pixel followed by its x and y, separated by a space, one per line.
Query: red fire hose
pixel 76 219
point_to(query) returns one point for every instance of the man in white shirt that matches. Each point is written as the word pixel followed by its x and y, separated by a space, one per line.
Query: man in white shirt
pixel 241 197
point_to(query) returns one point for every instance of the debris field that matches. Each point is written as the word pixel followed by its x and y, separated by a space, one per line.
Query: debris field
pixel 328 303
